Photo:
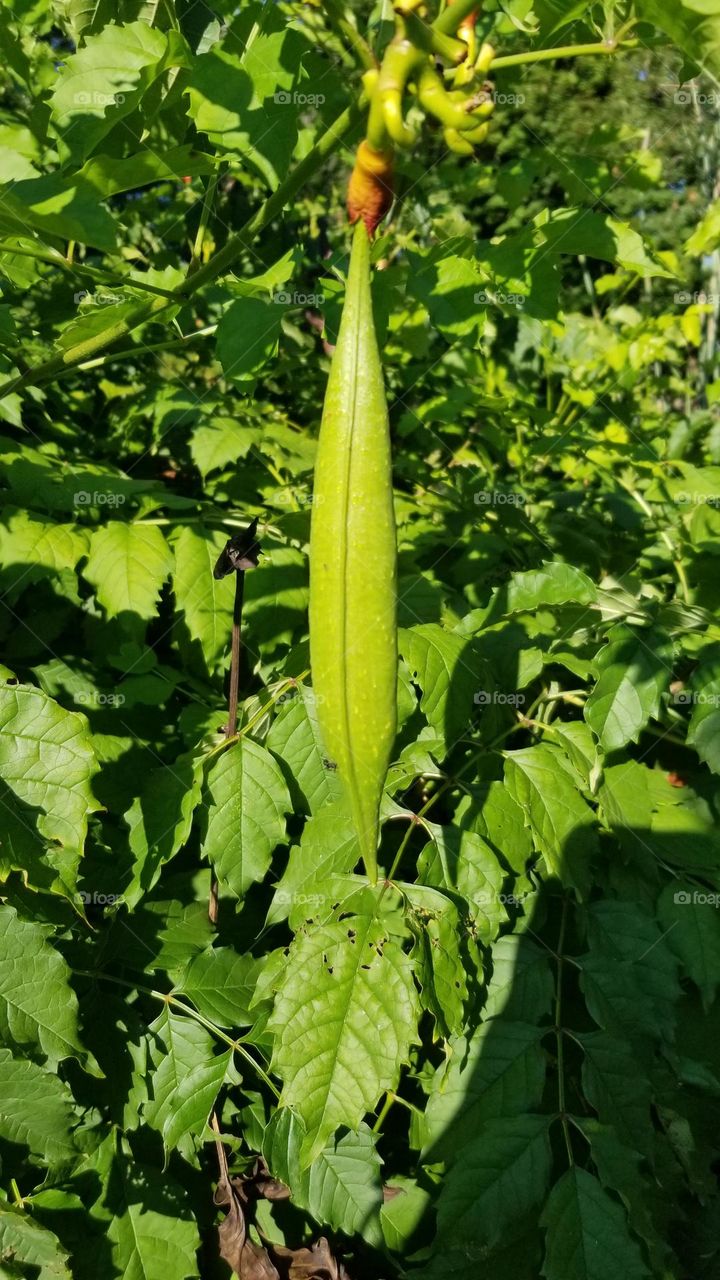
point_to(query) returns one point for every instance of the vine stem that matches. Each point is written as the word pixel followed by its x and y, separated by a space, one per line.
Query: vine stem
pixel 235 1045
pixel 561 51
pixel 559 1034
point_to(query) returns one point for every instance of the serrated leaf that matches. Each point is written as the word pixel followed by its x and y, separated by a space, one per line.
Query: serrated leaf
pixel 587 1233
pixel 629 976
pixel 36 1110
pixel 693 25
pixel 689 917
pixel 616 1086
pixel 205 603
pixel 187 1079
pixel 160 820
pixel 554 583
pixel 328 849
pixel 462 862
pixel 341 1188
pixel 499 1178
pixel 522 985
pixel 635 668
pixel 245 817
pixel 500 1071
pixel 256 116
pixel 127 566
pixel 151 1231
pixel 47 759
pixel 25 1243
pixel 39 546
pixel 294 737
pixel 442 664
pixel 221 983
pixel 106 79
pixel 562 825
pixel 222 441
pixel 435 922
pixel 37 1004
pixel 345 1016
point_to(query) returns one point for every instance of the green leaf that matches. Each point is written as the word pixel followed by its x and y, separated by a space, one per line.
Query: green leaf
pixel 160 820
pixel 127 566
pixel 693 25
pixel 106 79
pixel 459 860
pixel 245 100
pixel 345 1016
pixel 294 737
pixel 629 976
pixel 245 815
pixel 587 1233
pixel 205 603
pixel 222 441
pixel 435 923
pixel 582 231
pixel 25 1243
pixel 616 1086
pixel 187 1078
pixel 689 917
pixel 47 759
pixel 341 1188
pixel 41 548
pixel 554 583
pixel 57 206
pixel 37 1003
pixel 562 825
pixel 442 665
pixel 328 849
pixel 36 1110
pixel 500 1071
pixel 499 1178
pixel 151 1231
pixel 247 337
pixel 635 669
pixel 221 983
pixel 703 732
pixel 522 986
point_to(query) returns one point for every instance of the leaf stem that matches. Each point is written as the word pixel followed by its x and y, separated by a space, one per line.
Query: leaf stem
pixel 561 51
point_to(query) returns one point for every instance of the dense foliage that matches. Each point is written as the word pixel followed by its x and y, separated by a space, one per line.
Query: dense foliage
pixel 504 1058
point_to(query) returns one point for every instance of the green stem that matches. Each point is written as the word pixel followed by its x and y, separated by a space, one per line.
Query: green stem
pixel 344 28
pixel 275 203
pixel 454 15
pixel 235 1045
pixel 128 352
pixel 82 269
pixel 389 1099
pixel 207 204
pixel 561 51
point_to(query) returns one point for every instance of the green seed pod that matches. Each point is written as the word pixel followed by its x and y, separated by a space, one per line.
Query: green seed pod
pixel 353 629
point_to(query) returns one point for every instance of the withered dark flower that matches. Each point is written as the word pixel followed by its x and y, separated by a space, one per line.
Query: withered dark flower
pixel 239 553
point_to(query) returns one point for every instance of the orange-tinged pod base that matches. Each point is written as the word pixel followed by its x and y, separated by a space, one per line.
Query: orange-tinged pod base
pixel 370 191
